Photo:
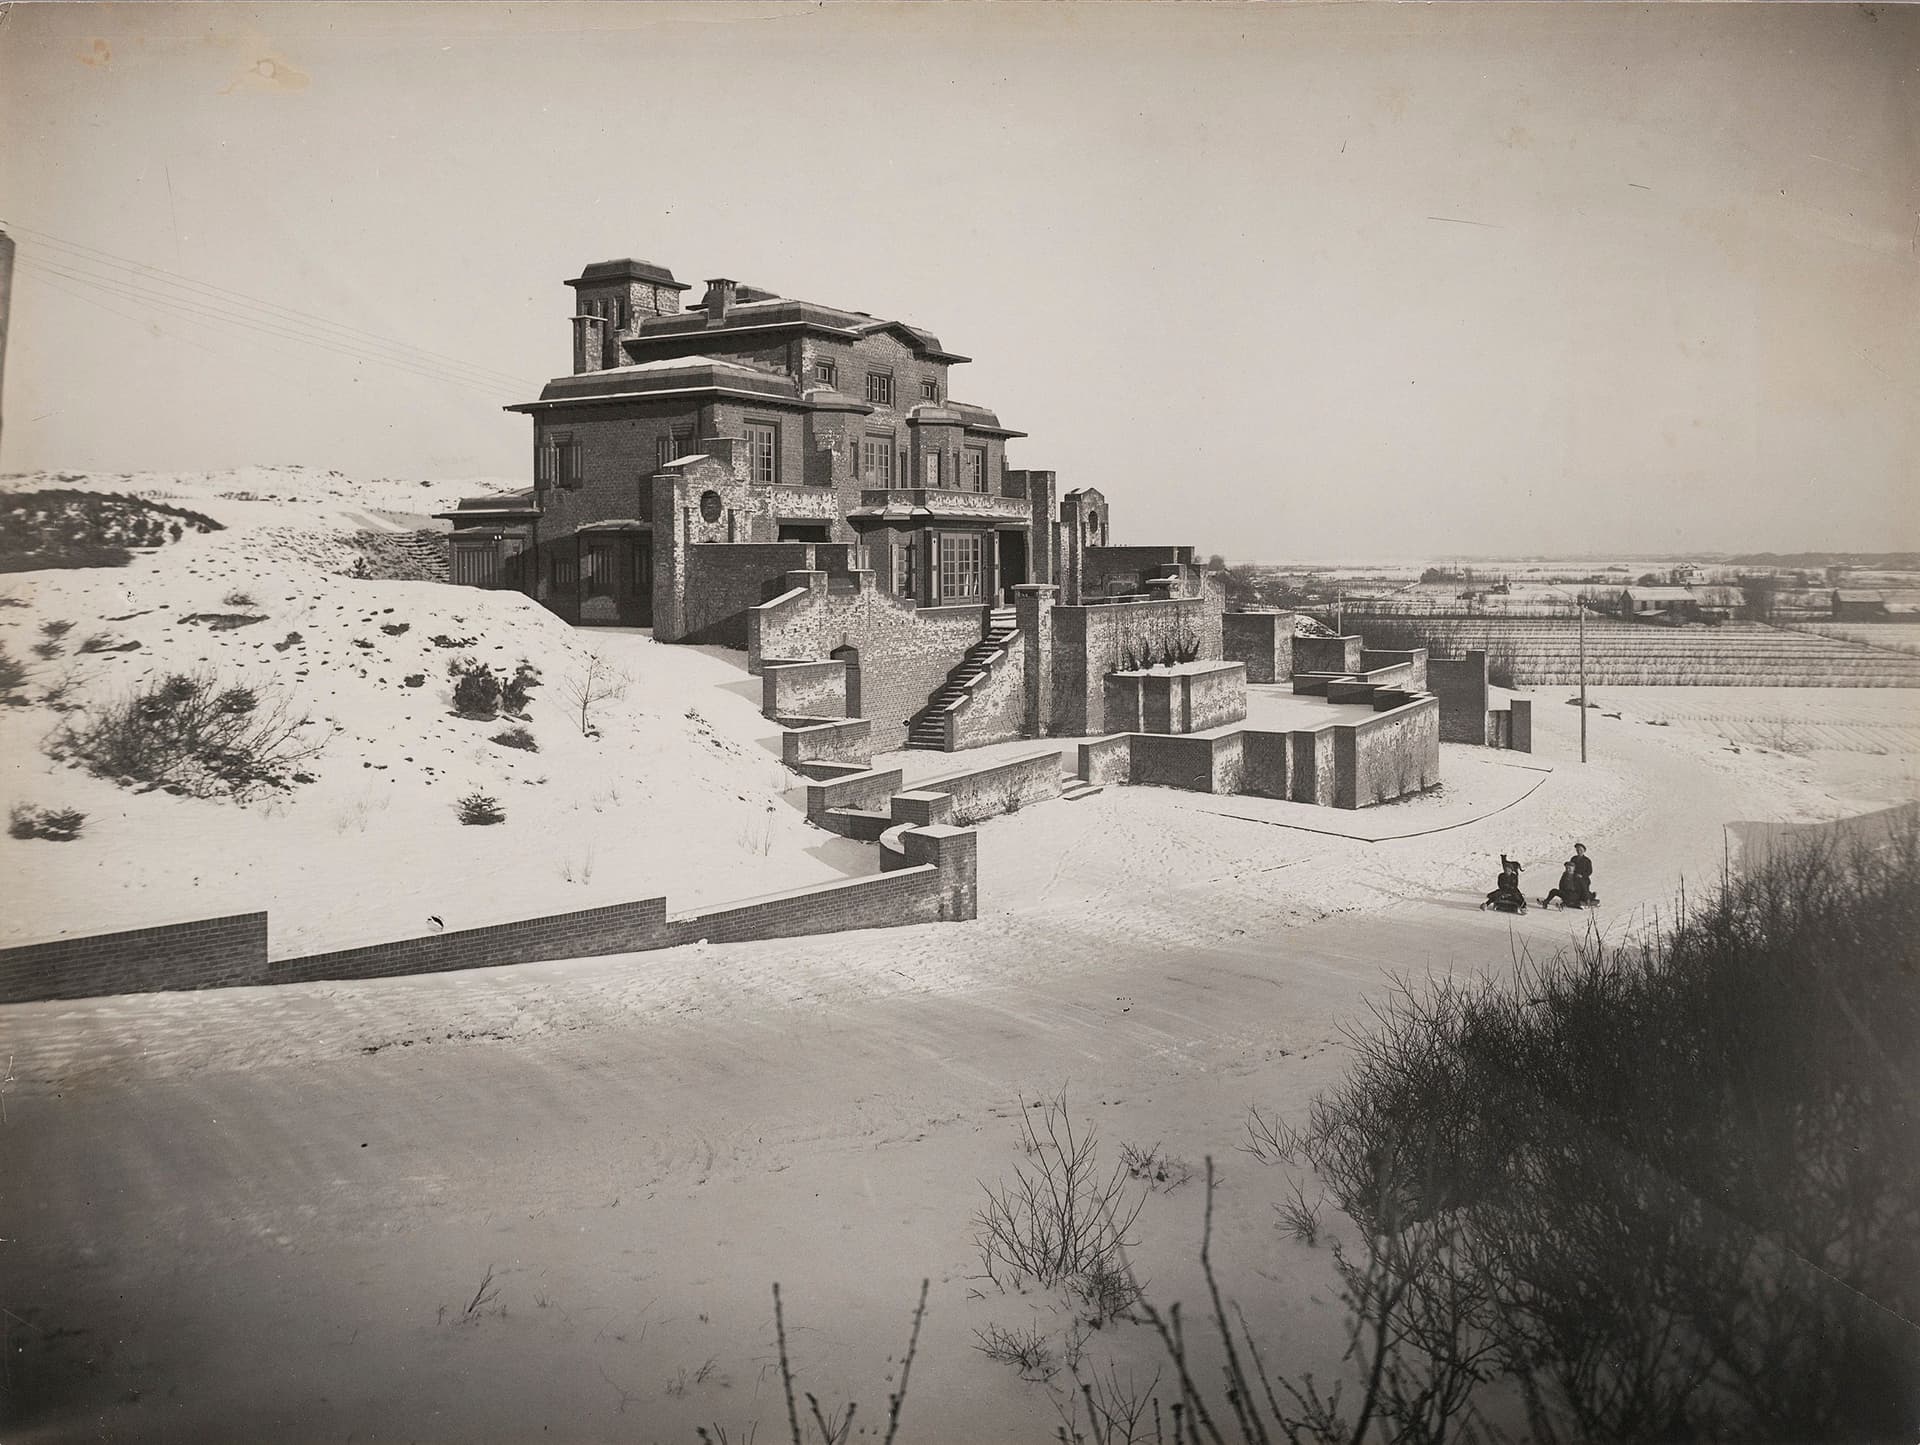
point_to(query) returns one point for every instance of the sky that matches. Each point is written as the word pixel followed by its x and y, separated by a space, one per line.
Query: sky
pixel 1280 280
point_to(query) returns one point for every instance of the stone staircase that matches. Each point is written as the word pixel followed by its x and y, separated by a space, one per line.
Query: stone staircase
pixel 928 730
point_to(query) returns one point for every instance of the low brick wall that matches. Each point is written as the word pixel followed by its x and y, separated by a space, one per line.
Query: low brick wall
pixel 1191 697
pixel 726 580
pixel 870 789
pixel 803 689
pixel 1107 760
pixel 618 928
pixel 1261 640
pixel 1326 654
pixel 1199 765
pixel 980 793
pixel 226 952
pixel 1388 756
pixel 938 884
pixel 1310 770
pixel 1414 659
pixel 1520 725
pixel 826 740
pixel 1265 760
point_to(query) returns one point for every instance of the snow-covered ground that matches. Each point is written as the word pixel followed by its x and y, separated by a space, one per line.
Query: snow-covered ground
pixel 680 793
pixel 262 1214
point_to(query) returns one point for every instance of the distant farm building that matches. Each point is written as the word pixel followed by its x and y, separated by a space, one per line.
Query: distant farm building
pixel 1855 604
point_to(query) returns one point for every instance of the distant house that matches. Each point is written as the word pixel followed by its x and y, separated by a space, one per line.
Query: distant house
pixel 1857 604
pixel 1659 604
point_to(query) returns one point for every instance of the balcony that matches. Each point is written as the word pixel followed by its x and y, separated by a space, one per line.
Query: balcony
pixel 940 504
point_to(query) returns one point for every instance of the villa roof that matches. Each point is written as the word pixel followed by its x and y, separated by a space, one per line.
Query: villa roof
pixel 667 376
pixel 754 309
pixel 600 273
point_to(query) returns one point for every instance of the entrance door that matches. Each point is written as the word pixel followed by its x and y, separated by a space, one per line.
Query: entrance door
pixel 616 581
pixel 1013 563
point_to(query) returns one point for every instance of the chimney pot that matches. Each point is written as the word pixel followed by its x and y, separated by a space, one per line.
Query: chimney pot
pixel 720 293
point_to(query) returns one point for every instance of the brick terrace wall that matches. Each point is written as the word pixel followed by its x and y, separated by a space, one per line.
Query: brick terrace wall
pixel 1310 770
pixel 845 740
pixel 1262 640
pixel 857 790
pixel 1460 683
pixel 905 652
pixel 1086 647
pixel 1199 765
pixel 1520 725
pixel 1414 659
pixel 983 792
pixel 618 928
pixel 1265 759
pixel 1326 654
pixel 724 579
pixel 1107 760
pixel 207 953
pixel 1388 756
pixel 803 689
pixel 1108 569
pixel 996 710
pixel 1216 696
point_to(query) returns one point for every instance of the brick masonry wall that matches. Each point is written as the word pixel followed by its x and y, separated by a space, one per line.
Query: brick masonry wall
pixel 1216 696
pixel 724 580
pixel 997 709
pixel 1106 570
pixel 1262 640
pixel 1414 659
pixel 1087 645
pixel 619 928
pixel 1199 765
pixel 803 689
pixel 1326 654
pixel 1460 683
pixel 870 789
pixel 1310 774
pixel 206 953
pixel 1388 756
pixel 985 792
pixel 1265 760
pixel 1107 760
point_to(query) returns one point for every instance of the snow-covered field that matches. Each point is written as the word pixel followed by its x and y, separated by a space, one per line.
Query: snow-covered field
pixel 262 1214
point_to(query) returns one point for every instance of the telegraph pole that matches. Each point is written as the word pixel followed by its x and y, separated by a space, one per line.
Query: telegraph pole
pixel 1580 608
pixel 6 306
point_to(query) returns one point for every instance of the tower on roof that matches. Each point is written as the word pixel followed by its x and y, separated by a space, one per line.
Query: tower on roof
pixel 610 300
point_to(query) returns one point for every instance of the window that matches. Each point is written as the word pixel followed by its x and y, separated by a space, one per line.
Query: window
pixel 880 388
pixel 763 452
pixel 475 563
pixel 557 462
pixel 826 373
pixel 974 478
pixel 960 554
pixel 566 573
pixel 930 466
pixel 930 390
pixel 672 446
pixel 876 460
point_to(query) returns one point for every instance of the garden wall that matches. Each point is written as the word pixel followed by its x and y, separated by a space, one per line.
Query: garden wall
pixel 1261 640
pixel 995 708
pixel 834 740
pixel 231 952
pixel 1460 684
pixel 803 689
pixel 206 953
pixel 1087 645
pixel 1388 756
pixel 726 579
pixel 1326 654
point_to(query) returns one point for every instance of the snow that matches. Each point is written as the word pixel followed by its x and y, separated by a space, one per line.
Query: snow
pixel 638 1147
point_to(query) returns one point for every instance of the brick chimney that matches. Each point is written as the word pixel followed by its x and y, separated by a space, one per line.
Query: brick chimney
pixel 719 299
pixel 589 344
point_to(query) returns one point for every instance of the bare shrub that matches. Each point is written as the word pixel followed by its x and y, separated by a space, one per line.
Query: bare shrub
pixel 187 733
pixel 1299 1218
pixel 516 737
pixel 1155 1167
pixel 1062 1218
pixel 237 598
pixel 46 650
pixel 1027 1349
pixel 395 629
pixel 478 810
pixel 1271 1141
pixel 596 683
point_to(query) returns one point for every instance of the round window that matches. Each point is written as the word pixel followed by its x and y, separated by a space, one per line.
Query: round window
pixel 709 506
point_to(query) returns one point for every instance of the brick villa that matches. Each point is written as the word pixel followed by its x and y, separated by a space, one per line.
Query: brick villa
pixel 796 480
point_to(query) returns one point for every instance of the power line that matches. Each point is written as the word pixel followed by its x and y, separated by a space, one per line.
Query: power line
pixel 85 255
pixel 263 326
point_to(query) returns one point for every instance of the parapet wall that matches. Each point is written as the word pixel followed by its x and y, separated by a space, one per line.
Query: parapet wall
pixel 1460 683
pixel 1326 654
pixel 232 952
pixel 1090 642
pixel 1261 640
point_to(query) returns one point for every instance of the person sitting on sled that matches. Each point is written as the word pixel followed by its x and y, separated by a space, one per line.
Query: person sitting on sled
pixel 1506 895
pixel 1576 881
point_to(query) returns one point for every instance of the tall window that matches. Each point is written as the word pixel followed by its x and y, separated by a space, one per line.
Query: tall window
pixel 880 387
pixel 975 475
pixel 763 451
pixel 557 462
pixel 960 556
pixel 876 460
pixel 930 468
pixel 826 373
pixel 672 446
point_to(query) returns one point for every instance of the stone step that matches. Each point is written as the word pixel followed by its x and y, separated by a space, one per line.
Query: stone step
pixel 1078 790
